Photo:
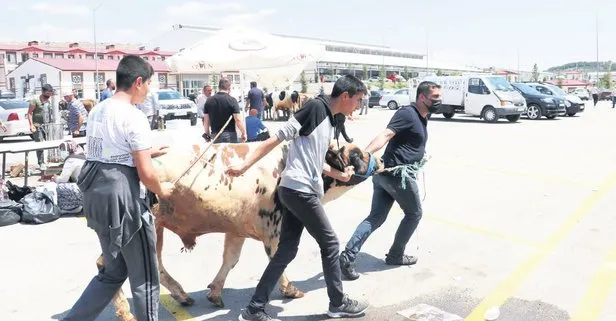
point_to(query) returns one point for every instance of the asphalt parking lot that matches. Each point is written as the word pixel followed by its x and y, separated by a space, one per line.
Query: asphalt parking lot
pixel 518 216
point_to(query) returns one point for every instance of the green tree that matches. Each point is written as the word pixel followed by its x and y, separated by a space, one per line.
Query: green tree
pixel 606 79
pixel 365 70
pixel 304 82
pixel 405 73
pixel 382 74
pixel 439 72
pixel 535 73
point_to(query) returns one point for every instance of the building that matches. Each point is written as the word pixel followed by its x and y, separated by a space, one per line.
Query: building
pixel 79 74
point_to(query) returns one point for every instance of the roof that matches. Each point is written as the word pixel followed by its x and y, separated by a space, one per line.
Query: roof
pixel 89 64
pixel 87 49
pixel 569 82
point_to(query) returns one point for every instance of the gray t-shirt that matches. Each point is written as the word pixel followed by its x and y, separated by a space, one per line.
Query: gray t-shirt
pixel 311 129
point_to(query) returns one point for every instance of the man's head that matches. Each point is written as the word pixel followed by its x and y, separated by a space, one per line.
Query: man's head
pixel 110 84
pixel 348 92
pixel 428 97
pixel 253 84
pixel 207 90
pixel 46 91
pixel 133 77
pixel 253 112
pixel 68 96
pixel 224 84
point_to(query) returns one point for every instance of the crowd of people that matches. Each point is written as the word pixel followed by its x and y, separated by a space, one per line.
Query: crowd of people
pixel 116 177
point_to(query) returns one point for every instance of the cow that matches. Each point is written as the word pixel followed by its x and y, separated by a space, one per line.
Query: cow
pixel 206 200
pixel 287 102
pixel 269 103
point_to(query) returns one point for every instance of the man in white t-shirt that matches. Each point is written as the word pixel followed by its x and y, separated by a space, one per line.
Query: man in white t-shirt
pixel 202 98
pixel 119 159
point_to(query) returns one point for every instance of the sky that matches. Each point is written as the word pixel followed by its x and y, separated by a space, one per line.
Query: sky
pixel 484 33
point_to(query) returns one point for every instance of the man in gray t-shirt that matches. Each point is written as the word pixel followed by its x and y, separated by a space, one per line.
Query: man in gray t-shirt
pixel 301 189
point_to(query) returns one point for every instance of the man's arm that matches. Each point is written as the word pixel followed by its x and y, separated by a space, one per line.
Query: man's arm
pixel 399 121
pixel 263 149
pixel 139 139
pixel 336 174
pixel 147 172
pixel 239 121
pixel 31 109
pixel 206 123
pixel 380 140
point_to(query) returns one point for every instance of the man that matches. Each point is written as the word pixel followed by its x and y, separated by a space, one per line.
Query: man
pixel 39 114
pixel 119 159
pixel 77 116
pixel 108 92
pixel 364 104
pixel 300 192
pixel 202 98
pixel 256 99
pixel 405 136
pixel 218 108
pixel 150 108
pixel 255 128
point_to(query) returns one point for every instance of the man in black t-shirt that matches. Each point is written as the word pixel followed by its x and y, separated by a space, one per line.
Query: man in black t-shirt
pixel 218 108
pixel 407 135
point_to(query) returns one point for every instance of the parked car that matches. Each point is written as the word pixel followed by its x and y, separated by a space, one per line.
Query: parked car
pixel 375 97
pixel 582 93
pixel 539 104
pixel 175 106
pixel 395 100
pixel 14 114
pixel 573 103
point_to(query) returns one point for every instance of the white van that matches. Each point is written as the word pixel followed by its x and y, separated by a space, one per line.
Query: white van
pixel 487 96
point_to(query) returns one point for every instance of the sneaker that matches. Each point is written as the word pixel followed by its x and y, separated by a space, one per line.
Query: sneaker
pixel 257 316
pixel 400 260
pixel 349 308
pixel 347 267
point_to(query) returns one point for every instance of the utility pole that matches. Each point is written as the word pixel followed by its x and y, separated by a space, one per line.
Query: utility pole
pixel 597 35
pixel 98 90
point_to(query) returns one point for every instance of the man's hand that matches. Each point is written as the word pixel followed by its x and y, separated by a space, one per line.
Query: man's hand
pixel 166 190
pixel 159 151
pixel 33 128
pixel 243 137
pixel 236 170
pixel 76 132
pixel 348 173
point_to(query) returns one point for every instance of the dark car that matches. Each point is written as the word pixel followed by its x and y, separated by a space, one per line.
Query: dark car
pixel 375 97
pixel 539 104
pixel 573 103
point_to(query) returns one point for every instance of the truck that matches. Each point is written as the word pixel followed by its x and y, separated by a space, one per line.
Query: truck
pixel 490 97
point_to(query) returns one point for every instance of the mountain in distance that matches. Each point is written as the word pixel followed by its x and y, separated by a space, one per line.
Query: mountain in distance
pixel 584 66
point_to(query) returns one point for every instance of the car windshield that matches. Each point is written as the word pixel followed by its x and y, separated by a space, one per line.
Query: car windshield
pixel 14 104
pixel 527 89
pixel 557 90
pixel 499 83
pixel 169 95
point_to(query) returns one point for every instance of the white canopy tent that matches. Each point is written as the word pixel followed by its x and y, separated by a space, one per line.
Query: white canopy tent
pixel 271 61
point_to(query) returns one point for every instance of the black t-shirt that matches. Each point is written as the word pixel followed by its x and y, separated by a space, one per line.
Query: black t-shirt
pixel 219 107
pixel 409 143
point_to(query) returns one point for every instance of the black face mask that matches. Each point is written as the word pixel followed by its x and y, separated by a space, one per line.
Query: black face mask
pixel 434 107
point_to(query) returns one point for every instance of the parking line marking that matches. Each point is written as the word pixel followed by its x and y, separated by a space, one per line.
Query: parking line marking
pixel 469 228
pixel 598 290
pixel 176 310
pixel 508 286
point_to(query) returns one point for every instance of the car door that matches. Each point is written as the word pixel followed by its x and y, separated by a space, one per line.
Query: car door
pixel 402 97
pixel 476 97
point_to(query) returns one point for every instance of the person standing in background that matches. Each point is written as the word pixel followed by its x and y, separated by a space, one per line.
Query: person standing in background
pixel 77 116
pixel 256 99
pixel 218 108
pixel 150 107
pixel 108 92
pixel 202 98
pixel 38 115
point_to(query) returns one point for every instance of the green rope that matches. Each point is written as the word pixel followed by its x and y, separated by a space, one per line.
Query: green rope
pixel 408 171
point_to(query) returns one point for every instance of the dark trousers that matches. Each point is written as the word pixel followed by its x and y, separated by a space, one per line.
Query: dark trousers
pixel 226 137
pixel 301 210
pixel 387 189
pixel 595 99
pixel 39 135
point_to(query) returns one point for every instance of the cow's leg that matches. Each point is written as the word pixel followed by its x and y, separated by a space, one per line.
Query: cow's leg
pixel 230 257
pixel 119 301
pixel 287 288
pixel 176 290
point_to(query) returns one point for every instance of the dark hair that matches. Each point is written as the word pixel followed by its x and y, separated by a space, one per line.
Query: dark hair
pixel 224 84
pixel 206 86
pixel 46 88
pixel 129 69
pixel 350 84
pixel 425 87
pixel 253 84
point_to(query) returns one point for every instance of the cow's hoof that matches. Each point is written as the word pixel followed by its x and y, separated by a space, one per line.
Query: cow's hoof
pixel 187 302
pixel 217 301
pixel 291 292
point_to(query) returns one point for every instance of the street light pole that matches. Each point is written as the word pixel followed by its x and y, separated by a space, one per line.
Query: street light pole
pixel 98 91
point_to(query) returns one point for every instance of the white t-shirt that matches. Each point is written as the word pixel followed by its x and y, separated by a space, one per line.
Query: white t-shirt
pixel 115 130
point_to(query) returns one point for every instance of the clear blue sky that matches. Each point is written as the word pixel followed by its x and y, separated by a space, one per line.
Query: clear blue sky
pixel 475 32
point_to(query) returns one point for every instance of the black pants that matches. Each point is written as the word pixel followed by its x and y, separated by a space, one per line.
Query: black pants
pixel 595 99
pixel 226 137
pixel 301 210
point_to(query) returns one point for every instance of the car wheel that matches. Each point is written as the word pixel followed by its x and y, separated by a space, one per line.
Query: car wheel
pixel 448 115
pixel 533 112
pixel 489 115
pixel 513 118
pixel 393 105
pixel 571 114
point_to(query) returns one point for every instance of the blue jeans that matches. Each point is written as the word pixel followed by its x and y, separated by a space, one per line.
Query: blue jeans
pixel 387 189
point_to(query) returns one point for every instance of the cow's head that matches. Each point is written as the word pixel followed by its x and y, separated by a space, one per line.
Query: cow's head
pixel 364 164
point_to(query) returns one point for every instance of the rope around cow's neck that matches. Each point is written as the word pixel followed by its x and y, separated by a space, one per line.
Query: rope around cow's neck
pixel 204 151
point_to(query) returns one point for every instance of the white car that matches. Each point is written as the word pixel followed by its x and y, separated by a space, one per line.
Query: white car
pixel 582 93
pixel 175 106
pixel 14 115
pixel 396 100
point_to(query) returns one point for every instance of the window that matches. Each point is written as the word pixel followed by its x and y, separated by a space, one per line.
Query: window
pixel 43 79
pixel 24 56
pixel 14 104
pixel 47 55
pixel 162 80
pixel 89 56
pixel 12 84
pixel 110 57
pixel 476 86
pixel 71 56
pixel 11 57
pixel 169 95
pixel 59 55
pixel 77 78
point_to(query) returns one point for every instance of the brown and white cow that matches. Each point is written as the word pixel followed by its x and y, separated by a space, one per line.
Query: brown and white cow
pixel 206 200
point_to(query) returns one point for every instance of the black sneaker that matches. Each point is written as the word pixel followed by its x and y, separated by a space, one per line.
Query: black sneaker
pixel 347 267
pixel 400 260
pixel 257 316
pixel 349 308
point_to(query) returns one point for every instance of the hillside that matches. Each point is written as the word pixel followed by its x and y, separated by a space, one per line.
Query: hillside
pixel 581 65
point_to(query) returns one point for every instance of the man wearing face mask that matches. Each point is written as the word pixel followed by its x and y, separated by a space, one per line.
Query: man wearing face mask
pixel 406 135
